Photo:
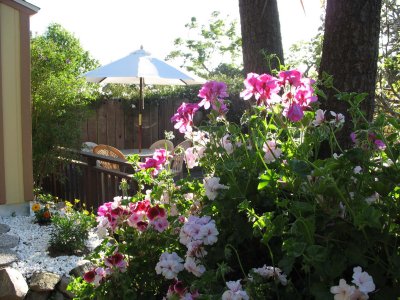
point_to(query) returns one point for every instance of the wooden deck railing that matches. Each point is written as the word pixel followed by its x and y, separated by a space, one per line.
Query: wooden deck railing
pixel 83 179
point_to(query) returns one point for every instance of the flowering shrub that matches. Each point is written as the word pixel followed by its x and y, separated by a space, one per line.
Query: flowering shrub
pixel 42 213
pixel 272 218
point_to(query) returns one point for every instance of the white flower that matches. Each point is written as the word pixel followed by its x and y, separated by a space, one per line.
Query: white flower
pixel 373 198
pixel 343 291
pixel 226 143
pixel 209 233
pixel 212 185
pixel 363 280
pixel 235 291
pixel 269 272
pixel 335 156
pixel 319 117
pixel 192 266
pixel 338 119
pixel 272 152
pixel 169 265
pixel 191 157
pixel 357 170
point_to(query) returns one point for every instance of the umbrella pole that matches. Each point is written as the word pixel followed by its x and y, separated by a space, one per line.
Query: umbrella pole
pixel 141 106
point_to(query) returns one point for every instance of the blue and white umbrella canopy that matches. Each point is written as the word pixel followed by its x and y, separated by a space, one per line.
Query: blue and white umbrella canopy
pixel 141 64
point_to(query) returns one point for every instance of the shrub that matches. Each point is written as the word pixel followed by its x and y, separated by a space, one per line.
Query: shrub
pixel 70 230
pixel 275 217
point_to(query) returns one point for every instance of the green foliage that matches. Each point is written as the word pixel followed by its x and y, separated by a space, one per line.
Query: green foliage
pixel 207 44
pixel 70 230
pixel 59 96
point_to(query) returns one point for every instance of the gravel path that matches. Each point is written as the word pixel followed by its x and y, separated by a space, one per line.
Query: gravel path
pixel 32 248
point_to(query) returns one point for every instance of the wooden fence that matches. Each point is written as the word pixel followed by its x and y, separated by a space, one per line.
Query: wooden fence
pixel 83 179
pixel 116 124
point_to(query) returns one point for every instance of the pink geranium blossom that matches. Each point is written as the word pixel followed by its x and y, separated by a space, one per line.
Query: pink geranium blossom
pixel 272 152
pixel 116 261
pixel 211 92
pixel 157 162
pixel 292 77
pixel 184 117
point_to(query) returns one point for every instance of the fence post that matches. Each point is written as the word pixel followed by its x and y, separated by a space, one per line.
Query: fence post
pixel 91 180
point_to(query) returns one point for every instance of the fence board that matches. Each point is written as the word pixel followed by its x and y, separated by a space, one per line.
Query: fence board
pixel 110 110
pixel 119 126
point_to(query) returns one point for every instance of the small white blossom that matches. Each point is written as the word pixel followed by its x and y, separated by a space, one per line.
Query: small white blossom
pixel 338 119
pixel 272 152
pixel 363 280
pixel 373 198
pixel 212 185
pixel 319 117
pixel 357 170
pixel 343 291
pixel 169 265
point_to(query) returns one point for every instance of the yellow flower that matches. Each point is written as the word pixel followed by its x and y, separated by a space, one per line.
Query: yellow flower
pixel 35 207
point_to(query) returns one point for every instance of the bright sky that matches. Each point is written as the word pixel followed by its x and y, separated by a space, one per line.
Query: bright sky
pixel 110 30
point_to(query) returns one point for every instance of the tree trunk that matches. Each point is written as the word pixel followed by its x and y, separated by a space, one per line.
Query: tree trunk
pixel 260 31
pixel 349 54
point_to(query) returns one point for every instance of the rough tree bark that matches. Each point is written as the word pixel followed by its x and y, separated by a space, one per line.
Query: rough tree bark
pixel 349 54
pixel 260 31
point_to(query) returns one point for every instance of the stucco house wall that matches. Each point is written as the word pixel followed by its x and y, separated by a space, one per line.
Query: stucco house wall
pixel 16 177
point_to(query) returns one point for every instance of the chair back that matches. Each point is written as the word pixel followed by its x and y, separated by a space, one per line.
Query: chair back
pixel 164 144
pixel 179 158
pixel 107 150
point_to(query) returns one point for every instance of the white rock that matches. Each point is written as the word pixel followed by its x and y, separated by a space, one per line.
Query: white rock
pixel 33 244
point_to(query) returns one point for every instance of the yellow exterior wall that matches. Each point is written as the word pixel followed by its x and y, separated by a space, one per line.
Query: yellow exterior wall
pixel 11 95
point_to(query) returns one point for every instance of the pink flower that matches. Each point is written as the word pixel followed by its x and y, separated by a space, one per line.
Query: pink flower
pixel 95 276
pixel 353 137
pixel 379 144
pixel 116 261
pixel 338 120
pixel 169 265
pixel 293 112
pixel 293 77
pixel 211 92
pixel 155 212
pixel 176 289
pixel 184 117
pixel 251 86
pixel 160 224
pixel 157 162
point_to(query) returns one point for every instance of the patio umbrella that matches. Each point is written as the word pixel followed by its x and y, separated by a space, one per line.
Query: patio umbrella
pixel 141 68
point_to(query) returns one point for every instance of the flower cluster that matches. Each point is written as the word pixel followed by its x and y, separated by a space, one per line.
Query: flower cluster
pixel 212 94
pixel 271 272
pixel 140 215
pixel 42 213
pixel 365 139
pixel 157 162
pixel 364 285
pixel 115 262
pixel 293 92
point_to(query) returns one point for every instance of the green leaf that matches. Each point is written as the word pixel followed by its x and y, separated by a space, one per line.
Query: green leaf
pixel 299 167
pixel 368 217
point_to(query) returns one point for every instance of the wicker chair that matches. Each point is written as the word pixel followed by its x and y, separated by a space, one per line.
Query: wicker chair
pixel 165 144
pixel 179 158
pixel 107 150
